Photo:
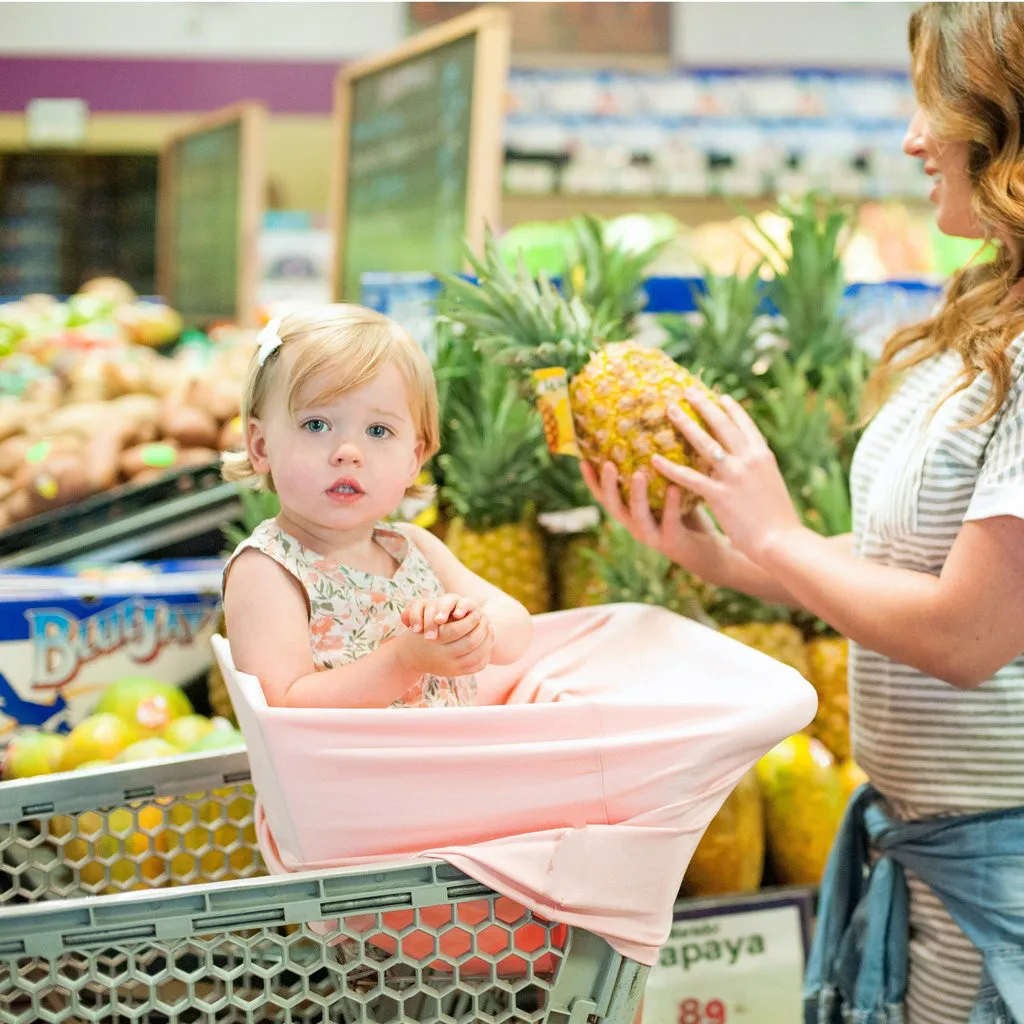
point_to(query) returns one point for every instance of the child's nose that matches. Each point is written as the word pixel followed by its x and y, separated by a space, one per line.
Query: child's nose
pixel 347 451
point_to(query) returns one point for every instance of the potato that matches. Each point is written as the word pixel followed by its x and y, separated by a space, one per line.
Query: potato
pixel 15 417
pixel 103 459
pixel 221 398
pixel 61 480
pixel 6 488
pixel 197 456
pixel 190 426
pixel 86 419
pixel 149 475
pixel 12 454
pixel 17 507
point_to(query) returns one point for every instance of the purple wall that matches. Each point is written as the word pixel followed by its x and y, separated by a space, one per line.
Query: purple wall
pixel 167 86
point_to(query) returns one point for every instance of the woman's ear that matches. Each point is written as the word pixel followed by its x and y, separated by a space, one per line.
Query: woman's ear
pixel 256 446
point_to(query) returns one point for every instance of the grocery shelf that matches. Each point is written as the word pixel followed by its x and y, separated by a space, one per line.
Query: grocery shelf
pixel 125 523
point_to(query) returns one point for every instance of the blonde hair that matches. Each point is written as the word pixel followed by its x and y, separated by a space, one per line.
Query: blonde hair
pixel 967 61
pixel 338 348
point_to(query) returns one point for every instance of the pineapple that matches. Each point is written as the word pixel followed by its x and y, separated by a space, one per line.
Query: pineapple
pixel 804 799
pixel 579 582
pixel 633 572
pixel 567 512
pixel 827 661
pixel 766 628
pixel 256 506
pixel 726 341
pixel 729 859
pixel 491 472
pixel 619 391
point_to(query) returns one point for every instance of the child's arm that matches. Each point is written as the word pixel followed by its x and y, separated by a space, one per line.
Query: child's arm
pixel 268 623
pixel 513 626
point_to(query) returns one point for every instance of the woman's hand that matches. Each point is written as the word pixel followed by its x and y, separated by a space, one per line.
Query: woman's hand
pixel 745 489
pixel 691 541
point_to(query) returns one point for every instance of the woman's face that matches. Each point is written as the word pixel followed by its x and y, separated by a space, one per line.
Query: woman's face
pixel 946 164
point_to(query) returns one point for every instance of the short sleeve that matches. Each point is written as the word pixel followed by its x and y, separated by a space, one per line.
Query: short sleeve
pixel 1000 487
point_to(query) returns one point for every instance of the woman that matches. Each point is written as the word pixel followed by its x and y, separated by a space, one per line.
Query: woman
pixel 930 585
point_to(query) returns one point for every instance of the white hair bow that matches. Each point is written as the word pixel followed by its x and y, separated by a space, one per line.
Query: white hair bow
pixel 269 340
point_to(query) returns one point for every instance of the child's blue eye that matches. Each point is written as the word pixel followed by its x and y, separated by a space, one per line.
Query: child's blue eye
pixel 378 430
pixel 315 426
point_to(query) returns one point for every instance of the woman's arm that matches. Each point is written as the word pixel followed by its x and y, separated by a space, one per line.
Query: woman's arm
pixel 513 626
pixel 961 626
pixel 268 625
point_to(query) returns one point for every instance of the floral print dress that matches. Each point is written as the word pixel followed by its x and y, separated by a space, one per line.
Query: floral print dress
pixel 351 612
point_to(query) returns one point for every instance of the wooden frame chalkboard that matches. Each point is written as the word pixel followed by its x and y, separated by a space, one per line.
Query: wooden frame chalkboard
pixel 464 166
pixel 210 200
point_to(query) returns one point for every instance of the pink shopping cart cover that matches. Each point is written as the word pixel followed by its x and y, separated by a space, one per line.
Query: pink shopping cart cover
pixel 579 787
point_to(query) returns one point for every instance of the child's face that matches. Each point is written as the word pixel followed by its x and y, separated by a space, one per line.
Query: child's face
pixel 344 464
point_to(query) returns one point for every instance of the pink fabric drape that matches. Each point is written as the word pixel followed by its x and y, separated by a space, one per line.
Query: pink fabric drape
pixel 579 788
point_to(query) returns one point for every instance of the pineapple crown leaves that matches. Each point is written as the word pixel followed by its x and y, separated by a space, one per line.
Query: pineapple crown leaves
pixel 561 484
pixel 492 465
pixel 608 277
pixel 522 322
pixel 726 341
pixel 809 283
pixel 634 572
pixel 799 425
pixel 257 505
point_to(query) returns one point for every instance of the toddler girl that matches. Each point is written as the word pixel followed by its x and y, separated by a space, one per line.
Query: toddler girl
pixel 327 604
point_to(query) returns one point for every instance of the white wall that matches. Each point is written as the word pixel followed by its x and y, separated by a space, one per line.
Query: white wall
pixel 816 34
pixel 284 31
pixel 820 35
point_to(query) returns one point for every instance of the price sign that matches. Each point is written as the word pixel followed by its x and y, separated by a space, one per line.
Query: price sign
pixel 738 961
pixel 418 151
pixel 211 206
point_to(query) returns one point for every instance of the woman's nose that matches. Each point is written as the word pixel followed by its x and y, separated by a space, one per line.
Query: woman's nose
pixel 913 140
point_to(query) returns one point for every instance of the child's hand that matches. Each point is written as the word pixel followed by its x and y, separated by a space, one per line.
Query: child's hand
pixel 426 615
pixel 463 647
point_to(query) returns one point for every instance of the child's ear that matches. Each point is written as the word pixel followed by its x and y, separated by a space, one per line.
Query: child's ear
pixel 256 446
pixel 417 465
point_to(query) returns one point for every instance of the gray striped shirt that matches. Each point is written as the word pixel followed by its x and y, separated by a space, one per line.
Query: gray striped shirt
pixel 929 747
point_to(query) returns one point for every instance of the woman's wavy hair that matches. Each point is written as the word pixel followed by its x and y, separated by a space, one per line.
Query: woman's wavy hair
pixel 967 61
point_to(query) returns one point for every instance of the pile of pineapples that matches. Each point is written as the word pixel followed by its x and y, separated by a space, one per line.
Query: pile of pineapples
pixel 513 512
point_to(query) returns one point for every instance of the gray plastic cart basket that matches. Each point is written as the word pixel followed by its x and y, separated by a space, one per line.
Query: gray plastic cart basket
pixel 406 942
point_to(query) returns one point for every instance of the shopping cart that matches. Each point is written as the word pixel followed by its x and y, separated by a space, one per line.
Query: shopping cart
pixel 137 894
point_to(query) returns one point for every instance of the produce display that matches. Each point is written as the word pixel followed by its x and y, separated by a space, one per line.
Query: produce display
pixel 140 719
pixel 511 502
pixel 88 403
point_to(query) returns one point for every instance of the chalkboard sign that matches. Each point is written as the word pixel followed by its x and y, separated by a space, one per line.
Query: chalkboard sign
pixel 419 150
pixel 210 210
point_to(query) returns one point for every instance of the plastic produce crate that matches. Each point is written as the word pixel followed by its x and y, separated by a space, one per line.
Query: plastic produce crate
pixel 407 942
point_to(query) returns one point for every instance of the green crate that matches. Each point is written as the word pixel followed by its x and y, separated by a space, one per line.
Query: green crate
pixel 400 943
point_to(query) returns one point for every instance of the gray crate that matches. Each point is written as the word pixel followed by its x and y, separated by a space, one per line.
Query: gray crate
pixel 410 942
pixel 173 822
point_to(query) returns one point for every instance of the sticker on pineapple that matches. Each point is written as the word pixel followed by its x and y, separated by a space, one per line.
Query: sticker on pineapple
pixel 552 388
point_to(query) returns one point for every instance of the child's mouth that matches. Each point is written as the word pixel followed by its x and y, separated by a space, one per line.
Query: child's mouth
pixel 345 489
